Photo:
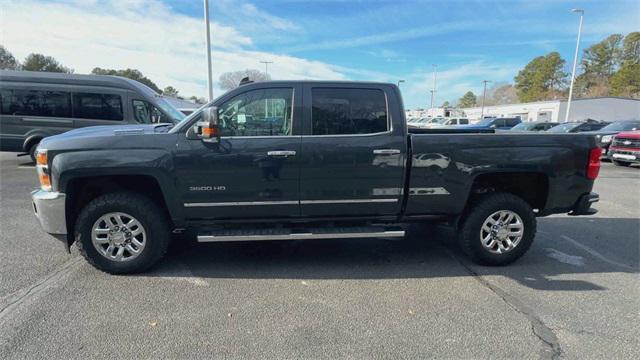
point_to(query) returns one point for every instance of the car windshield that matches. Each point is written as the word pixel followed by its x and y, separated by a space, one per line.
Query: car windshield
pixel 563 128
pixel 524 126
pixel 486 121
pixel 622 126
pixel 175 114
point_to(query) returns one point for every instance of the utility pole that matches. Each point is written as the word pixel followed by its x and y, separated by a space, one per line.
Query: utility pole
pixel 208 41
pixel 266 66
pixel 433 92
pixel 575 61
pixel 484 94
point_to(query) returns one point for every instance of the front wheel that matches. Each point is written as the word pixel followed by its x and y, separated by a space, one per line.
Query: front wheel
pixel 498 229
pixel 122 233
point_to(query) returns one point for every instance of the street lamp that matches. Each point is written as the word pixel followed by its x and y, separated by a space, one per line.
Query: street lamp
pixel 433 92
pixel 400 81
pixel 484 94
pixel 208 41
pixel 266 66
pixel 575 62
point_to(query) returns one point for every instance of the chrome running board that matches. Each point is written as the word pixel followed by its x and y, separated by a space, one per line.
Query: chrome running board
pixel 300 234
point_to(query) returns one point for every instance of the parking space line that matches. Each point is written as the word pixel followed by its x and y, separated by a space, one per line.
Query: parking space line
pixel 597 254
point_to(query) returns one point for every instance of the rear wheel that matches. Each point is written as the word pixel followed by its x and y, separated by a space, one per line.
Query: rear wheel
pixel 122 233
pixel 498 229
pixel 621 163
pixel 32 152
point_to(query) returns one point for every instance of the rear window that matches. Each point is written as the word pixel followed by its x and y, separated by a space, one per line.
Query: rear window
pixel 348 111
pixel 35 103
pixel 97 106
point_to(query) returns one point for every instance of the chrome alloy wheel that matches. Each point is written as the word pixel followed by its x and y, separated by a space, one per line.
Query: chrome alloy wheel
pixel 502 231
pixel 118 236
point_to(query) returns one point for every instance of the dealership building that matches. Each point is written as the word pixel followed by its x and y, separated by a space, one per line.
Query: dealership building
pixel 600 108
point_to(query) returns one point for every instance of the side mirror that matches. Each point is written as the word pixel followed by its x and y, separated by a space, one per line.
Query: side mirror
pixel 208 129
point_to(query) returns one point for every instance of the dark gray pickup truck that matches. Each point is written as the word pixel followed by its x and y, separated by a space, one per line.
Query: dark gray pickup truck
pixel 304 160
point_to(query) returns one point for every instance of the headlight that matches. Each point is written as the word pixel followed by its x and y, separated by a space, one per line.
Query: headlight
pixel 606 139
pixel 42 168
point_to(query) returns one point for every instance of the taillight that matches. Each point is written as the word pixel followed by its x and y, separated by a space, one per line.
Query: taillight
pixel 593 167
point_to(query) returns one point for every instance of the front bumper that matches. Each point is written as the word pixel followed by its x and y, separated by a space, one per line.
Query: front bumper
pixel 49 208
pixel 583 205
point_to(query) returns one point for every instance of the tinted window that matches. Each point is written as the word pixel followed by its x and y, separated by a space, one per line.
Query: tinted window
pixel 35 103
pixel 464 121
pixel 97 106
pixel 263 112
pixel 512 122
pixel 145 113
pixel 348 111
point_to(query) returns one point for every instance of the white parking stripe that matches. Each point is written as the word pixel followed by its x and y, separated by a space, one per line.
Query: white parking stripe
pixel 597 254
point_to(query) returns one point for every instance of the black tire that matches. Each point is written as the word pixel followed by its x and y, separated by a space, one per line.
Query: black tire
pixel 474 218
pixel 32 152
pixel 144 210
pixel 621 163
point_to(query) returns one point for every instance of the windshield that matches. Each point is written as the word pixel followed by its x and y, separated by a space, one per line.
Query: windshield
pixel 524 126
pixel 622 126
pixel 486 121
pixel 175 114
pixel 563 128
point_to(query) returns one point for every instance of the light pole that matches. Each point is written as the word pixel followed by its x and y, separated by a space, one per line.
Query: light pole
pixel 433 92
pixel 206 24
pixel 484 94
pixel 266 66
pixel 575 61
pixel 400 81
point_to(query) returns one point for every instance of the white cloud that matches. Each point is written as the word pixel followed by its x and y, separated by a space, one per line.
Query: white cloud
pixel 143 34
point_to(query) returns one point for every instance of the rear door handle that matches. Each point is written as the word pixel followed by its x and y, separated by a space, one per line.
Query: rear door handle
pixel 284 153
pixel 386 152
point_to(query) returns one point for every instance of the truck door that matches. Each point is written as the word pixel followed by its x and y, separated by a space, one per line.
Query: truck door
pixel 352 158
pixel 252 172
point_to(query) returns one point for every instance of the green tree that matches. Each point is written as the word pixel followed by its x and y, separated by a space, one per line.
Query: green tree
pixel 130 74
pixel 541 79
pixel 231 80
pixel 170 91
pixel 626 81
pixel 446 104
pixel 7 60
pixel 467 100
pixel 39 62
pixel 631 48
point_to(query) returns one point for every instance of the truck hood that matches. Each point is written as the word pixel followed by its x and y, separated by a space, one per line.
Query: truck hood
pixel 105 137
pixel 629 134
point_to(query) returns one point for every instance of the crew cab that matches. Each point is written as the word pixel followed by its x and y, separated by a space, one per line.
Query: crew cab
pixel 304 160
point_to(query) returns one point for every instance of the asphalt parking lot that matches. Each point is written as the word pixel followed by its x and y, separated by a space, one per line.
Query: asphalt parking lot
pixel 575 295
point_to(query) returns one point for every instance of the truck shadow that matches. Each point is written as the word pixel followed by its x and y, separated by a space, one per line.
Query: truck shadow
pixel 426 252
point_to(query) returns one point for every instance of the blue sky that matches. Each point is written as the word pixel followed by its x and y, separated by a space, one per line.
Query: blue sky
pixel 361 40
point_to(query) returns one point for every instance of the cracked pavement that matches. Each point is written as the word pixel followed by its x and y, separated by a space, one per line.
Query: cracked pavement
pixel 575 295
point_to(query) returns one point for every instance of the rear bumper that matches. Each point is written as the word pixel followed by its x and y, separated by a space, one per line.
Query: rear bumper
pixel 583 205
pixel 49 208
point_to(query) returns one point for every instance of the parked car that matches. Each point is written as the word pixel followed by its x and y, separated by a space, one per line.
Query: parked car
pixel 607 133
pixel 496 123
pixel 320 174
pixel 534 126
pixel 575 127
pixel 34 105
pixel 625 148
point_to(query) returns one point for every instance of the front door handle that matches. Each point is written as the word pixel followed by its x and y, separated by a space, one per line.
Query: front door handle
pixel 284 153
pixel 386 152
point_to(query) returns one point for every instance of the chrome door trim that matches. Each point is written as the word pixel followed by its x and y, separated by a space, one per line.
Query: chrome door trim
pixel 242 203
pixel 284 153
pixel 347 201
pixel 386 151
pixel 290 202
pixel 44 119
